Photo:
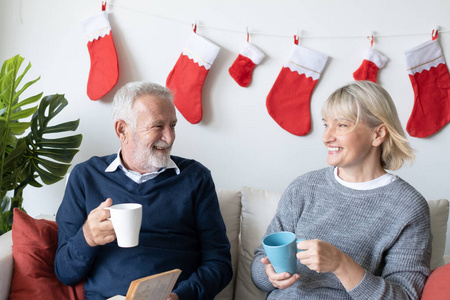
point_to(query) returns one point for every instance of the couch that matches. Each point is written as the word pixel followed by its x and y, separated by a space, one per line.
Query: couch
pixel 247 213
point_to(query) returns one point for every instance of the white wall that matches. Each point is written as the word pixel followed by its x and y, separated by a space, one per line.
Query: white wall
pixel 237 139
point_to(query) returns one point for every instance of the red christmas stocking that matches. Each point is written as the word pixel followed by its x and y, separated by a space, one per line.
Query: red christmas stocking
pixel 188 75
pixel 243 66
pixel 370 66
pixel 288 102
pixel 104 71
pixel 430 80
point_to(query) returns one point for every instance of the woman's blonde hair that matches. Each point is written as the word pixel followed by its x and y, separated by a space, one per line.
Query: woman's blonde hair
pixel 365 101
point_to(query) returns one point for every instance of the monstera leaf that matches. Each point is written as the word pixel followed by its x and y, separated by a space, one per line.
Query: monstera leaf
pixel 41 156
pixel 50 158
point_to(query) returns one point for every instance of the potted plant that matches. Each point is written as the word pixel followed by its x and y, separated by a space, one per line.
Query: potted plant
pixel 28 151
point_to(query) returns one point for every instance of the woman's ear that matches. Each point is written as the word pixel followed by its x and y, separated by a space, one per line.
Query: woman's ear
pixel 380 133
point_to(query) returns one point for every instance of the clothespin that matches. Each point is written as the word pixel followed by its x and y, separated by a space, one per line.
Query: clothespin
pixel 103 5
pixel 248 34
pixel 371 39
pixel 194 26
pixel 296 37
pixel 434 33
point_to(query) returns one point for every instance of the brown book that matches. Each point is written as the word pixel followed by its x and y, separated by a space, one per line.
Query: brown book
pixel 154 287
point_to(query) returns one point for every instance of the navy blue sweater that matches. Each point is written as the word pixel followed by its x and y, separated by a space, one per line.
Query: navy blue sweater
pixel 182 227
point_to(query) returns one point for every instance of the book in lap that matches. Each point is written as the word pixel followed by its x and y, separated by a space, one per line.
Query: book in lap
pixel 154 287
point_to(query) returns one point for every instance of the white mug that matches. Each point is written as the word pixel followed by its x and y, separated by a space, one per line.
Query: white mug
pixel 126 219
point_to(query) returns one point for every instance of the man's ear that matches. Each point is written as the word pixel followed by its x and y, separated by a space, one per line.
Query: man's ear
pixel 120 126
pixel 380 133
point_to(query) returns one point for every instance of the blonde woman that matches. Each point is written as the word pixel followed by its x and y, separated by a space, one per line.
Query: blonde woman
pixel 367 231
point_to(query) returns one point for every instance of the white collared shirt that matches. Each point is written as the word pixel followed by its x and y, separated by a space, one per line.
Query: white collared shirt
pixel 136 176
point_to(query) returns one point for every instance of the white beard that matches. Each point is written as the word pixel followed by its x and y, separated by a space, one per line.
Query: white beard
pixel 149 158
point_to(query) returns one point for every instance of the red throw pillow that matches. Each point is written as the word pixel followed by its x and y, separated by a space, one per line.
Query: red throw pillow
pixel 437 286
pixel 34 247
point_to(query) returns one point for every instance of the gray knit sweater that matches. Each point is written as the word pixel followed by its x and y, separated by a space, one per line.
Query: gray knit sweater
pixel 386 230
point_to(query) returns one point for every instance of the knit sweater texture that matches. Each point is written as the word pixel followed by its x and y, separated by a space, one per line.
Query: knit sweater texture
pixel 182 228
pixel 386 230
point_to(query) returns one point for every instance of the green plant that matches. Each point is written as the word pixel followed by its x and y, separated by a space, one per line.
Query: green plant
pixel 26 150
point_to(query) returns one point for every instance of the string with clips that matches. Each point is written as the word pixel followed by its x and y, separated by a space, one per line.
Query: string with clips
pixel 247 31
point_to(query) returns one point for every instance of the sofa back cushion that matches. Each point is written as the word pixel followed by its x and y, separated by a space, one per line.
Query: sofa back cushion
pixel 34 247
pixel 258 209
pixel 439 219
pixel 230 207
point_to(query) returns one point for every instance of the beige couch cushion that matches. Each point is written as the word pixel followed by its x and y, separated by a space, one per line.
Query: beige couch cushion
pixel 258 209
pixel 439 219
pixel 230 207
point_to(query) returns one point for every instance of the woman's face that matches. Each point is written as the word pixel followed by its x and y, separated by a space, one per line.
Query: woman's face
pixel 351 148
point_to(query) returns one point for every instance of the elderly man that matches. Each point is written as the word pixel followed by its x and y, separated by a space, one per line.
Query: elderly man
pixel 181 227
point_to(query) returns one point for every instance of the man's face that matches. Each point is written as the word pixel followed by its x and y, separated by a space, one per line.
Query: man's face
pixel 150 142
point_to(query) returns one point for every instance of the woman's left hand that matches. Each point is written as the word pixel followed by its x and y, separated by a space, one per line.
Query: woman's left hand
pixel 323 257
pixel 319 256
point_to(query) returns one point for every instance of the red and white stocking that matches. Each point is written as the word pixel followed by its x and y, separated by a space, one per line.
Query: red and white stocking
pixel 288 102
pixel 370 66
pixel 188 75
pixel 243 66
pixel 104 71
pixel 430 80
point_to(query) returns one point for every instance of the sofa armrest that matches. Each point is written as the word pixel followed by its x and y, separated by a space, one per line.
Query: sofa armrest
pixel 6 264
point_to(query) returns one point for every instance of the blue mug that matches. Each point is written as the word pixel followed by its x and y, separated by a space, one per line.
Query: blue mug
pixel 281 249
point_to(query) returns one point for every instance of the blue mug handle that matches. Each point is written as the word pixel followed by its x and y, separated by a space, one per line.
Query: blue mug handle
pixel 296 242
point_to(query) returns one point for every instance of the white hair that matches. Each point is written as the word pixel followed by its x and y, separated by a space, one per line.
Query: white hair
pixel 126 95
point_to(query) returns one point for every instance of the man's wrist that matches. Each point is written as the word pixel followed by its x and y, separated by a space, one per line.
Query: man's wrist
pixel 87 237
